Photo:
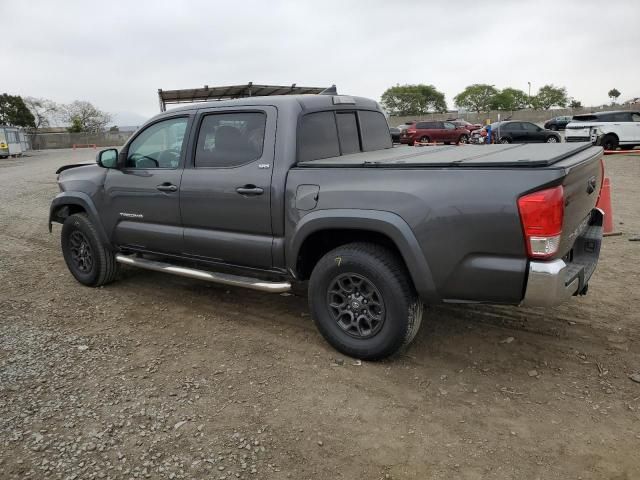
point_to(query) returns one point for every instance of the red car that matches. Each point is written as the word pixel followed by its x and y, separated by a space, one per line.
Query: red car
pixel 434 132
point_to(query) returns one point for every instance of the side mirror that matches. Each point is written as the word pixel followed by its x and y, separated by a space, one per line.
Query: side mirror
pixel 107 158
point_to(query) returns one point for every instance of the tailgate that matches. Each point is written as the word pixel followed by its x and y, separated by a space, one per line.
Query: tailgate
pixel 581 184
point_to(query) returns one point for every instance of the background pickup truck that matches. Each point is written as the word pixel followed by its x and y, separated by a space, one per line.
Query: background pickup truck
pixel 265 192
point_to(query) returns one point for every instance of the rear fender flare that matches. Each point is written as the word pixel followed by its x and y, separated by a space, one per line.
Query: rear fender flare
pixel 386 223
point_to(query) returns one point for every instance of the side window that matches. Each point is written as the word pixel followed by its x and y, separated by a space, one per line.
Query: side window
pixel 622 117
pixel 230 139
pixel 449 126
pixel 158 146
pixel 374 130
pixel 530 127
pixel 348 132
pixel 318 137
pixel 423 125
pixel 635 117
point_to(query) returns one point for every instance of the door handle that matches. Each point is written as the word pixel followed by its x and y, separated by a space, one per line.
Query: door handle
pixel 167 187
pixel 250 190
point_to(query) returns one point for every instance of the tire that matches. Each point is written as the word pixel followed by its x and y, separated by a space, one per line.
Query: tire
pixel 88 260
pixel 424 139
pixel 626 147
pixel 553 128
pixel 609 142
pixel 463 139
pixel 505 140
pixel 375 275
pixel 553 139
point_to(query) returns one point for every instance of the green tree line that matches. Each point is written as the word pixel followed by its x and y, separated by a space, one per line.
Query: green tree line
pixel 403 100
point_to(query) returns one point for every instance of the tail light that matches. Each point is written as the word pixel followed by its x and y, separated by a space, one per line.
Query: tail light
pixel 542 214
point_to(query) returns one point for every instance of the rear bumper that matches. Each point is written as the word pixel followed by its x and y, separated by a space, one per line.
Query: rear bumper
pixel 554 282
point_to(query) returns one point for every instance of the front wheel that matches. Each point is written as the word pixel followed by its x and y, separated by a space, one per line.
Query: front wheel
pixel 463 139
pixel 363 302
pixel 552 139
pixel 505 140
pixel 86 257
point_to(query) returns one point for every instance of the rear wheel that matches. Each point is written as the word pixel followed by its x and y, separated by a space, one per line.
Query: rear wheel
pixel 363 302
pixel 86 257
pixel 505 140
pixel 425 139
pixel 609 142
pixel 554 128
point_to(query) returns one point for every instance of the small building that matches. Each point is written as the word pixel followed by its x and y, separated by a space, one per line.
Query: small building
pixel 11 141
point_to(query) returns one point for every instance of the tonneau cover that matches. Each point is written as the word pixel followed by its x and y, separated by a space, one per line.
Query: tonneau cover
pixel 498 156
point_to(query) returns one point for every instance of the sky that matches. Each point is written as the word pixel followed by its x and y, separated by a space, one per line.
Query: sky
pixel 117 54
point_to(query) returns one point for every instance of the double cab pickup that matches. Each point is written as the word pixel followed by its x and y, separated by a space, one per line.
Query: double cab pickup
pixel 268 192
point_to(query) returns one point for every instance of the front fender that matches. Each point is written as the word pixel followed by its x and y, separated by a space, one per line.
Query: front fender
pixel 386 223
pixel 82 200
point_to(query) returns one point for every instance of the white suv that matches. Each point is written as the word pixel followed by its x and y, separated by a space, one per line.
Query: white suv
pixel 608 129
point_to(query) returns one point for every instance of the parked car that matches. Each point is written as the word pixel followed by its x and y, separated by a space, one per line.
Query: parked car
pixel 466 125
pixel 557 123
pixel 522 132
pixel 395 134
pixel 608 129
pixel 434 132
pixel 264 192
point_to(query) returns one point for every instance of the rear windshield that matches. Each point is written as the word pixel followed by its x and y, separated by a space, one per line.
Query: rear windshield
pixel 330 134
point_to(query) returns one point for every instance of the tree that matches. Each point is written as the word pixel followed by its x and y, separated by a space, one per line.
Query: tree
pixel 575 103
pixel 614 94
pixel 84 117
pixel 509 99
pixel 550 96
pixel 403 100
pixel 43 111
pixel 477 97
pixel 13 111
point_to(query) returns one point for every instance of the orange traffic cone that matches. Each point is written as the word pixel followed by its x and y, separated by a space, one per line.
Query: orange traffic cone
pixel 604 203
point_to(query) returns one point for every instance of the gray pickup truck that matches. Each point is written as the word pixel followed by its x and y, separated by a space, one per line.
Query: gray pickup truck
pixel 266 192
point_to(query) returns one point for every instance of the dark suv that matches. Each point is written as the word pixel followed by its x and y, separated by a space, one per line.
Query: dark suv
pixel 522 132
pixel 557 123
pixel 434 132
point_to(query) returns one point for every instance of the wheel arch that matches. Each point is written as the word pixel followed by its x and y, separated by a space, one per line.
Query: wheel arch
pixel 321 231
pixel 68 203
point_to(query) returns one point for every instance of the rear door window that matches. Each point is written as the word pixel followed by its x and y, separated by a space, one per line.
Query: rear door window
pixel 230 139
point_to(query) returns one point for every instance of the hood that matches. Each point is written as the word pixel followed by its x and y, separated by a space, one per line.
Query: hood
pixel 81 177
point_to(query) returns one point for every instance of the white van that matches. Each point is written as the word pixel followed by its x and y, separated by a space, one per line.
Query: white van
pixel 608 129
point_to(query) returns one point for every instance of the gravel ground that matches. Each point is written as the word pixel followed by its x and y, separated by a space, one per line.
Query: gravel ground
pixel 163 377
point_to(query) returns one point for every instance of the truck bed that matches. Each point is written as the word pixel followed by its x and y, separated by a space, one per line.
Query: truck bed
pixel 488 156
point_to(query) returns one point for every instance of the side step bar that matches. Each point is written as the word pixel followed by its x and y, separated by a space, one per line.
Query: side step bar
pixel 224 278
